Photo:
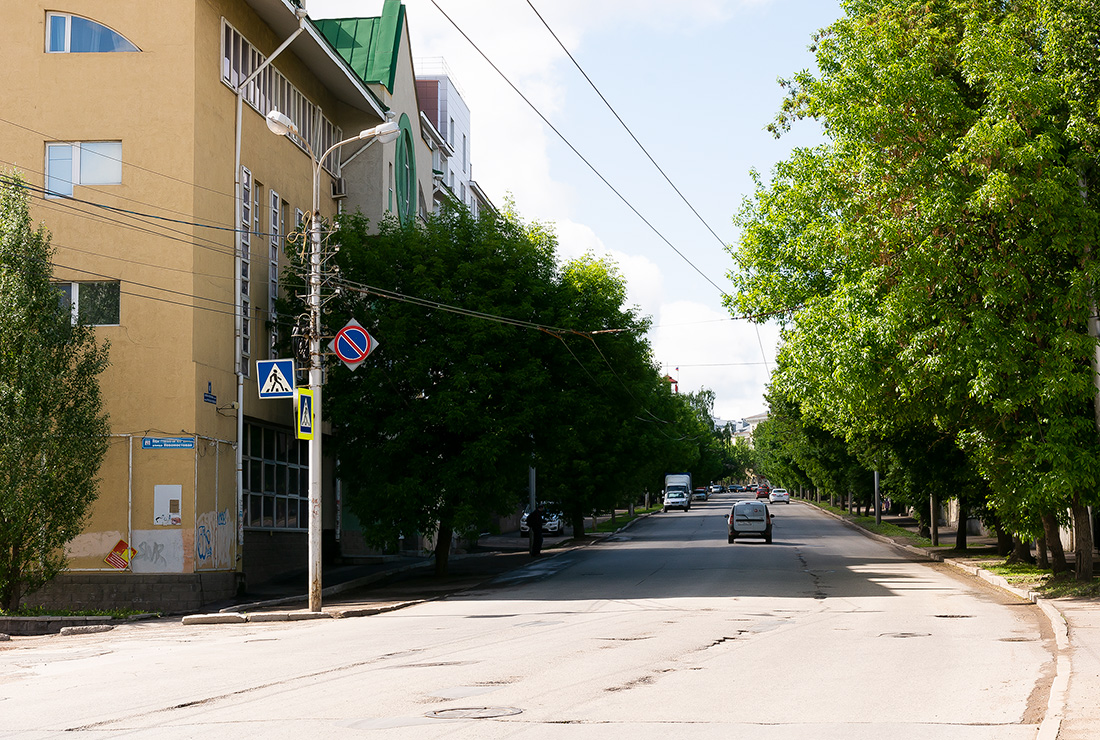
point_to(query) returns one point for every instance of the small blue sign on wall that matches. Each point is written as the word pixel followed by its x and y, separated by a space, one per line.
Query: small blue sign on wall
pixel 167 443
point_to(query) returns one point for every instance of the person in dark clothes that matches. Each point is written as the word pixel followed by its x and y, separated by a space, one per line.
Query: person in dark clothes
pixel 534 529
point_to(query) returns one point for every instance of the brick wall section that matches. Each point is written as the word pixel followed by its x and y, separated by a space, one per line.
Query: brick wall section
pixel 169 593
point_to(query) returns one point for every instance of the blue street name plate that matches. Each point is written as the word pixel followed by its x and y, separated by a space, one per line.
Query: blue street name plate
pixel 167 443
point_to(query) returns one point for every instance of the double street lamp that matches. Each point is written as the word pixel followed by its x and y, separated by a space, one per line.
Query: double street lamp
pixel 282 125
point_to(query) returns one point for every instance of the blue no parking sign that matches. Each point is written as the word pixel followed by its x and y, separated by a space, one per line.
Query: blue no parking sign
pixel 352 344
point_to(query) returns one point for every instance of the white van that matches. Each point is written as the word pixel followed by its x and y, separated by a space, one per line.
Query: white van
pixel 750 519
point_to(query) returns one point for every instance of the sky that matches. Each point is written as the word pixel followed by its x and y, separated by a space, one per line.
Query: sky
pixel 696 82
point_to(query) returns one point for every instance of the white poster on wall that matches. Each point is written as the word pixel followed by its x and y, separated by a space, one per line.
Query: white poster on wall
pixel 167 510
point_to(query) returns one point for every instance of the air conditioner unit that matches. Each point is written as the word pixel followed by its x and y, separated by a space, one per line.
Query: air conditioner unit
pixel 339 188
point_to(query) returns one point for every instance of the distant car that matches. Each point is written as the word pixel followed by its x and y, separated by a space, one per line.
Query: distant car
pixel 700 493
pixel 737 488
pixel 677 500
pixel 749 519
pixel 763 492
pixel 717 488
pixel 751 488
pixel 552 522
pixel 779 495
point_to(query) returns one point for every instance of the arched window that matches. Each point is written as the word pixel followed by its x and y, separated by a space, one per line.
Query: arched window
pixel 67 33
pixel 406 171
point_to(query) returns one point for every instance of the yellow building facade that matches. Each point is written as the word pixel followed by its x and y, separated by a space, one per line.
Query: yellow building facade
pixel 139 129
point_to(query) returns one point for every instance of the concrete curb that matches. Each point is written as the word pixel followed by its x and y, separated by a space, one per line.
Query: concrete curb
pixel 1056 703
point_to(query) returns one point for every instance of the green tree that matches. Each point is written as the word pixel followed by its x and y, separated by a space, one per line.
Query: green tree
pixel 602 424
pixel 57 432
pixel 936 255
pixel 433 433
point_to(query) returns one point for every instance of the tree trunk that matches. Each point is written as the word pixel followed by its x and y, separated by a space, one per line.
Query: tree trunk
pixel 443 542
pixel 1054 542
pixel 9 597
pixel 1082 539
pixel 1021 552
pixel 960 530
pixel 1041 558
pixel 1004 541
pixel 577 518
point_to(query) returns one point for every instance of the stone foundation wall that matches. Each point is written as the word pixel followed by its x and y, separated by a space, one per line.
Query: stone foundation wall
pixel 169 593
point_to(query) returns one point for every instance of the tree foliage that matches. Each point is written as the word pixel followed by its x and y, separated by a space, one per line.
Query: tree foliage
pixel 436 431
pixel 57 432
pixel 934 259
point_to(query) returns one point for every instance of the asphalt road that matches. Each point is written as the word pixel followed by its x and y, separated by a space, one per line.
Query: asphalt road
pixel 664 631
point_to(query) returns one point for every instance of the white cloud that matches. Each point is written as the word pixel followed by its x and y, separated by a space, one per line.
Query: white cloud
pixel 711 351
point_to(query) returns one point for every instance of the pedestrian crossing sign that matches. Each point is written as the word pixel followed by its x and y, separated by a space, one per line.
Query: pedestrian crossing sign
pixel 275 378
pixel 303 413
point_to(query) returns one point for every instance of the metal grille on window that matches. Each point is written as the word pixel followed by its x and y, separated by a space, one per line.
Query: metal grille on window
pixel 276 479
pixel 273 270
pixel 245 254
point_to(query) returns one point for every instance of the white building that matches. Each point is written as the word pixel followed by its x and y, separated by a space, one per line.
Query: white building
pixel 442 107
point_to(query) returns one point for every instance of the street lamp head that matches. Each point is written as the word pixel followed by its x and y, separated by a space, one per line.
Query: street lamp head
pixel 280 124
pixel 384 132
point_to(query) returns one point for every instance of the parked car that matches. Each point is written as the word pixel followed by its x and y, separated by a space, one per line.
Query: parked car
pixel 779 495
pixel 677 499
pixel 749 519
pixel 552 521
pixel 699 493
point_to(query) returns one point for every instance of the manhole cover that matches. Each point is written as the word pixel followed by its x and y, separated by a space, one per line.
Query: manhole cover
pixel 473 713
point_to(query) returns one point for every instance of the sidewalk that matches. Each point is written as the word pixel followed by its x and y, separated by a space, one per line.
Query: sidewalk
pixel 1073 712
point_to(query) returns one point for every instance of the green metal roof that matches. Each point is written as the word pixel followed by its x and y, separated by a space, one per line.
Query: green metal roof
pixel 368 45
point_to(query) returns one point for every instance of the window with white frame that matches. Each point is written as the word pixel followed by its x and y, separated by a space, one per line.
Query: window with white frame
pixel 72 34
pixel 92 303
pixel 271 90
pixel 82 163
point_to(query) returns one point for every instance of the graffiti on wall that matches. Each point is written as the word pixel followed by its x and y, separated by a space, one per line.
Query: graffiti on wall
pixel 214 540
pixel 157 551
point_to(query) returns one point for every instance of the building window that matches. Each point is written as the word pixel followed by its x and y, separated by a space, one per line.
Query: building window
pixel 406 171
pixel 465 163
pixel 246 260
pixel 276 479
pixel 91 303
pixel 71 34
pixel 82 163
pixel 451 133
pixel 271 90
pixel 273 270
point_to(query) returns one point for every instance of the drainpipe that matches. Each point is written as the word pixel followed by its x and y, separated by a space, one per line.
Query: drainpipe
pixel 238 318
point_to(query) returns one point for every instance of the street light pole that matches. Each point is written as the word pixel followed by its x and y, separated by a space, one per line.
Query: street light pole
pixel 282 125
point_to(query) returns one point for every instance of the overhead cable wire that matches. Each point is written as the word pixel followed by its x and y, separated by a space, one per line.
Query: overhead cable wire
pixel 625 127
pixel 576 151
pixel 615 113
pixel 428 303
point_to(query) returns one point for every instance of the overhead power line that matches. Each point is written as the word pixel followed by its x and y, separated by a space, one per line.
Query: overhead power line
pixel 574 149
